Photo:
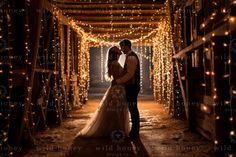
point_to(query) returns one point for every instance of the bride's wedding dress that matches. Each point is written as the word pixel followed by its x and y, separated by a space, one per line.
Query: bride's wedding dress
pixel 112 113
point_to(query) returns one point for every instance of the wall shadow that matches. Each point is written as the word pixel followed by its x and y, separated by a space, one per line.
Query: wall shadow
pixel 101 147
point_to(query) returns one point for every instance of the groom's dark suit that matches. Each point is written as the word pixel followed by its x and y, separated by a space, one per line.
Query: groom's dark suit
pixel 131 80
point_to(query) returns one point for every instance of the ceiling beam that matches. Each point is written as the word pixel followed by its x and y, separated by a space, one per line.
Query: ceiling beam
pixel 118 22
pixel 117 18
pixel 109 31
pixel 123 35
pixel 125 15
pixel 110 6
pixel 76 2
pixel 130 36
pixel 112 12
pixel 116 27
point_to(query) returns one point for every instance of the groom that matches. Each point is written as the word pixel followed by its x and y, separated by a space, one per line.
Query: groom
pixel 131 79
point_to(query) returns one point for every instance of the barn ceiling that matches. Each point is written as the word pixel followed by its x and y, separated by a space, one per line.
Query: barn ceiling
pixel 113 20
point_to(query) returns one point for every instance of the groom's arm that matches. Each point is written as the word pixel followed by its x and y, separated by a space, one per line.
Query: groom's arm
pixel 131 67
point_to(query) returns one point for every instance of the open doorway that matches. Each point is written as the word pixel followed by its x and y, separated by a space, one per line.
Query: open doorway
pixel 98 81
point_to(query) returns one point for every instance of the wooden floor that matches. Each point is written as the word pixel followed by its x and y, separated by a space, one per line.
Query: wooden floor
pixel 161 136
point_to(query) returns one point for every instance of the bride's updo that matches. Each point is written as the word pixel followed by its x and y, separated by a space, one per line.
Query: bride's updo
pixel 112 56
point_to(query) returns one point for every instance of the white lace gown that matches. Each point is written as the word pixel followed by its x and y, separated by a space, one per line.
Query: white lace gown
pixel 112 113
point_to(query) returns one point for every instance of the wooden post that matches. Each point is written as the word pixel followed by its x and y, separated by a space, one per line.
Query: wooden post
pixel 182 90
pixel 35 27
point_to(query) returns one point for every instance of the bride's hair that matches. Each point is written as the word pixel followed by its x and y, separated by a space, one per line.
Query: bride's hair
pixel 112 55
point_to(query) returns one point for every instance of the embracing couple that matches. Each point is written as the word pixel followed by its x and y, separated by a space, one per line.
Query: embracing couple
pixel 112 114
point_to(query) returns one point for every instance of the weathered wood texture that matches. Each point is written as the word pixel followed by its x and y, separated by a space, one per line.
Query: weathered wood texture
pixel 207 35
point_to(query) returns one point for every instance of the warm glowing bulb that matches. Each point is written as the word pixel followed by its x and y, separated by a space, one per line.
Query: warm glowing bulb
pixel 213 34
pixel 231 119
pixel 232 19
pixel 234 92
pixel 226 32
pixel 225 45
pixel 217 117
pixel 208 72
pixel 203 84
pixel 204 39
pixel 216 142
pixel 224 10
pixel 227 102
pixel 214 97
pixel 203 25
pixel 232 133
pixel 213 43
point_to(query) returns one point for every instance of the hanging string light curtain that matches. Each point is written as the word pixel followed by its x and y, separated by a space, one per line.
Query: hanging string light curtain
pixel 162 47
pixel 83 68
pixel 162 63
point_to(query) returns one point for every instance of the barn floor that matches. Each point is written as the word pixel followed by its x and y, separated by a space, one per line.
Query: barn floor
pixel 161 136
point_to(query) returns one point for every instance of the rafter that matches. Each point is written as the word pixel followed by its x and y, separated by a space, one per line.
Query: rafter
pixel 76 2
pixel 117 18
pixel 120 27
pixel 110 31
pixel 98 12
pixel 119 22
pixel 110 6
pixel 112 20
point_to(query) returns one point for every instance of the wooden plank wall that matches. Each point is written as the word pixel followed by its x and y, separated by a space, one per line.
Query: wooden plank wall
pixel 38 84
pixel 209 76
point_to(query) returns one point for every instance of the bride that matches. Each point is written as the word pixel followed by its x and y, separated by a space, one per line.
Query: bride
pixel 112 113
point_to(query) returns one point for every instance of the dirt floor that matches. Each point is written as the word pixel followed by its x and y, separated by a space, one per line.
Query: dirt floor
pixel 160 136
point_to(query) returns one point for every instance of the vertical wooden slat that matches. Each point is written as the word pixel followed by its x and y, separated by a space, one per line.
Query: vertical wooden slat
pixel 182 90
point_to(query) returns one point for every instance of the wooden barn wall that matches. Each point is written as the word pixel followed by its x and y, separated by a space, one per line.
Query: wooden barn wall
pixel 206 56
pixel 39 82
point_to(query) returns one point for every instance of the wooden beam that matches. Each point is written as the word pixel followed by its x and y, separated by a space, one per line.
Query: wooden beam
pixel 39 70
pixel 113 12
pixel 41 99
pixel 123 27
pixel 122 36
pixel 218 32
pixel 124 2
pixel 109 31
pixel 118 18
pixel 118 15
pixel 103 6
pixel 120 22
pixel 115 30
pixel 182 90
pixel 35 27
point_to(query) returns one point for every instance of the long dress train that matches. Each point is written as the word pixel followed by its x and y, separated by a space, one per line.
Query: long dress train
pixel 112 113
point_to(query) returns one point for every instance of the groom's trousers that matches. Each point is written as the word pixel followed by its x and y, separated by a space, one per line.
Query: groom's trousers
pixel 131 96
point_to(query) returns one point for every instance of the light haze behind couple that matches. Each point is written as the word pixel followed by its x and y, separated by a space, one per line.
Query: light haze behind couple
pixel 120 98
